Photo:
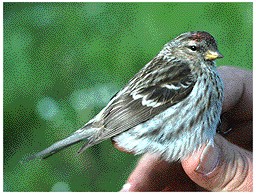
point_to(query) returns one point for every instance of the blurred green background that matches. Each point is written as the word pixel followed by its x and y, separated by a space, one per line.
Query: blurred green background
pixel 64 61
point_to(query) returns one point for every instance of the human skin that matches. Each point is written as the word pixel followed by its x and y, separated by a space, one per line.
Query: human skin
pixel 225 167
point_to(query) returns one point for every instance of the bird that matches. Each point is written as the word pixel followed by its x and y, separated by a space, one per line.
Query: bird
pixel 171 107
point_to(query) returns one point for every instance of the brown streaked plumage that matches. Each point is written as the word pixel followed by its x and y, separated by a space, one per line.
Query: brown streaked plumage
pixel 149 113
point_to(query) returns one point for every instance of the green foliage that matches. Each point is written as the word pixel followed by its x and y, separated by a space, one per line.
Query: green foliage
pixel 64 61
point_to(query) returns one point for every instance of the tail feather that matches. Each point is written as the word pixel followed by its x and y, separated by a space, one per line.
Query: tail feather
pixel 89 144
pixel 60 145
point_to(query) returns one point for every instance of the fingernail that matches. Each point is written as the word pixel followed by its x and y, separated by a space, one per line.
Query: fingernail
pixel 209 159
pixel 126 187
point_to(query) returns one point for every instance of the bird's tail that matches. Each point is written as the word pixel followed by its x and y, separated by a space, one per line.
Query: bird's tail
pixel 62 144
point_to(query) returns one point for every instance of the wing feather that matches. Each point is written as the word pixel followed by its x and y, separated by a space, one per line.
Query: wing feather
pixel 145 97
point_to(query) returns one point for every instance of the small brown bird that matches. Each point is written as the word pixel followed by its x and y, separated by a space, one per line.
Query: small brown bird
pixel 171 107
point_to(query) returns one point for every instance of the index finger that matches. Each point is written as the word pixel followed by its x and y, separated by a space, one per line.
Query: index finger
pixel 237 105
pixel 237 92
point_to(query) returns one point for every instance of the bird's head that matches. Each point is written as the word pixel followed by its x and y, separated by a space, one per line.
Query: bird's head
pixel 193 46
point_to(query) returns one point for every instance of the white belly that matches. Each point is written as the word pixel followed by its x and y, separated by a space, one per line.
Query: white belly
pixel 180 129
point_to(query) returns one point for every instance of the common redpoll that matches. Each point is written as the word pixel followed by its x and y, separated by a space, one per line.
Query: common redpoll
pixel 171 107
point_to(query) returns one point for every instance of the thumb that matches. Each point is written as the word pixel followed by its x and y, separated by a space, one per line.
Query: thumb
pixel 222 167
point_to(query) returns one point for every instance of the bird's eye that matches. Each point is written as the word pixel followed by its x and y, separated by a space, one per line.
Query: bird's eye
pixel 193 48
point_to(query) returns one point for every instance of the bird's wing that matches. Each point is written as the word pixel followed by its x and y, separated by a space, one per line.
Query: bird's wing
pixel 147 95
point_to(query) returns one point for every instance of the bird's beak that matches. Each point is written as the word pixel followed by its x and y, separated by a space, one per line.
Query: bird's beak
pixel 212 55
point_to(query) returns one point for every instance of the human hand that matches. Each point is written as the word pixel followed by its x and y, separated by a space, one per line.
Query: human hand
pixel 225 167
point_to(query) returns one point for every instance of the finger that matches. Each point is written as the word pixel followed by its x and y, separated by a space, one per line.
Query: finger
pixel 153 174
pixel 237 93
pixel 241 135
pixel 237 105
pixel 224 167
pixel 120 148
